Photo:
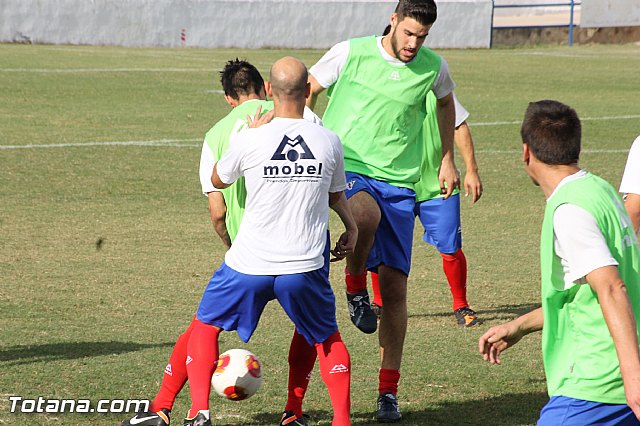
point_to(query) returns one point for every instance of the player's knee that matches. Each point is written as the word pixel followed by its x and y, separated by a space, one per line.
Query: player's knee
pixel 365 211
pixel 394 298
pixel 367 222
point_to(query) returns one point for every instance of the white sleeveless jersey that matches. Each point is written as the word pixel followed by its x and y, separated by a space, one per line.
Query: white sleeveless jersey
pixel 290 166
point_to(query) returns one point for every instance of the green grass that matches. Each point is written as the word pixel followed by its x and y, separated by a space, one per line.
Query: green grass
pixel 78 322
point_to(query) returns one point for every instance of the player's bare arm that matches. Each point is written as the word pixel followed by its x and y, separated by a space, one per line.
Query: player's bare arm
pixel 448 175
pixel 316 89
pixel 632 204
pixel 215 179
pixel 464 142
pixel 499 338
pixel 347 241
pixel 218 213
pixel 616 308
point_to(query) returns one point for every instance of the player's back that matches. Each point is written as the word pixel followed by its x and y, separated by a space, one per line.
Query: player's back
pixel 290 166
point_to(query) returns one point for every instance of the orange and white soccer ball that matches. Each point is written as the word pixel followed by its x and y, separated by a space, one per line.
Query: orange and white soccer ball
pixel 237 375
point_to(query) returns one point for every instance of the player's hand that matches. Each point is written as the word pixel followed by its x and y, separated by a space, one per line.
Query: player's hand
pixel 257 120
pixel 632 393
pixel 345 245
pixel 473 186
pixel 497 339
pixel 449 178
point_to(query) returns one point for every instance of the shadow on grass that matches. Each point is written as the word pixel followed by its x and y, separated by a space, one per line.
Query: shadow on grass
pixel 499 312
pixel 27 354
pixel 510 409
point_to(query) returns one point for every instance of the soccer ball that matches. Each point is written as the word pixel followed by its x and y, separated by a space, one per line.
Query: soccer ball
pixel 238 375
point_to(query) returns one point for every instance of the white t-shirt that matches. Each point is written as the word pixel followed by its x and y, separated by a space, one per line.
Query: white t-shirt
pixel 329 67
pixel 631 178
pixel 208 158
pixel 578 241
pixel 290 166
pixel 461 113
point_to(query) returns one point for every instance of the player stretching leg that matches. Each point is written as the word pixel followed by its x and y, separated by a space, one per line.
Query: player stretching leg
pixel 377 107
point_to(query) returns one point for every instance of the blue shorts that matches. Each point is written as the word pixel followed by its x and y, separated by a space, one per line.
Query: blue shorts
pixel 565 411
pixel 235 301
pixel 394 236
pixel 441 221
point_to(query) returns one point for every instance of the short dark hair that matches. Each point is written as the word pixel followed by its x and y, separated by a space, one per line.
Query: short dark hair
pixel 239 77
pixel 552 130
pixel 387 30
pixel 423 11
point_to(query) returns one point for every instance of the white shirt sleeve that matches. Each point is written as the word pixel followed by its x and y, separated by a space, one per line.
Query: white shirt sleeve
pixel 207 160
pixel 338 180
pixel 329 67
pixel 229 167
pixel 579 243
pixel 443 84
pixel 461 113
pixel 631 178
pixel 311 116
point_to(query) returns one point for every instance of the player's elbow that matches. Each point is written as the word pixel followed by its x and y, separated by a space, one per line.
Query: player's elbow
pixel 217 207
pixel 334 197
pixel 218 215
pixel 446 101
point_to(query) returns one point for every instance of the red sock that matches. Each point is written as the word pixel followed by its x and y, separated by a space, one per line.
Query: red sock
pixel 355 283
pixel 202 354
pixel 375 286
pixel 302 358
pixel 175 374
pixel 455 268
pixel 335 368
pixel 388 381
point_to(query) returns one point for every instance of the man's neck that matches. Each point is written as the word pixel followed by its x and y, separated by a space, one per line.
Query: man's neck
pixel 386 45
pixel 551 176
pixel 244 98
pixel 288 109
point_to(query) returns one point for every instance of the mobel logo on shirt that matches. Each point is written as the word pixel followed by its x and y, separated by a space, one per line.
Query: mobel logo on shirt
pixel 290 151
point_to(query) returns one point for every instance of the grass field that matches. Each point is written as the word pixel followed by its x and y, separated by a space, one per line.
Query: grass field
pixel 103 143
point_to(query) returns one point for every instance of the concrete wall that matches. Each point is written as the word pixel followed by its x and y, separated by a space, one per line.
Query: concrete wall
pixel 610 13
pixel 528 11
pixel 229 23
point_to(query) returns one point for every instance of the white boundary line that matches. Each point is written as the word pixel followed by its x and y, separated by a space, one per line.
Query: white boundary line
pixel 98 70
pixel 159 142
pixel 500 123
pixel 180 142
pixel 584 151
pixel 628 54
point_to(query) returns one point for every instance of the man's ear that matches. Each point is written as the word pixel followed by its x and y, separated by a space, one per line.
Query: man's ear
pixel 393 21
pixel 267 86
pixel 232 102
pixel 307 91
pixel 526 153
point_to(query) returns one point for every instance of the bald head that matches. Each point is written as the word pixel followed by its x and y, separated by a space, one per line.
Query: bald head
pixel 288 78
